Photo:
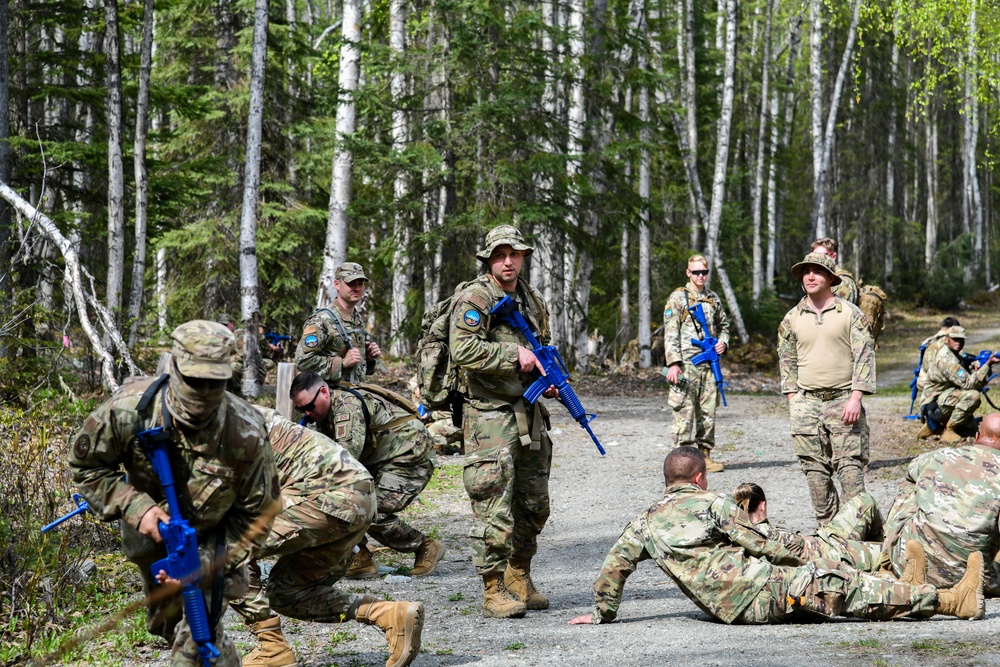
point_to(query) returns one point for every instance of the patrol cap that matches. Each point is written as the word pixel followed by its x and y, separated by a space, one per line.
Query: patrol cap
pixel 202 349
pixel 956 332
pixel 224 318
pixel 349 272
pixel 820 260
pixel 504 235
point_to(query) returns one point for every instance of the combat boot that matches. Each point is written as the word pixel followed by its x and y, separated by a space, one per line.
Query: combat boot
pixel 915 570
pixel 950 435
pixel 363 567
pixel 925 433
pixel 710 465
pixel 517 580
pixel 427 556
pixel 966 599
pixel 272 649
pixel 497 602
pixel 402 623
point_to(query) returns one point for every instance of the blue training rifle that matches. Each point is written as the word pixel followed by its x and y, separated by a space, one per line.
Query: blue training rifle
pixel 707 346
pixel 81 507
pixel 556 374
pixel 913 383
pixel 182 562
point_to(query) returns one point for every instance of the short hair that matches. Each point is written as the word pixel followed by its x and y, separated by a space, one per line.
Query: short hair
pixel 749 496
pixel 697 258
pixel 950 322
pixel 682 465
pixel 304 382
pixel 828 243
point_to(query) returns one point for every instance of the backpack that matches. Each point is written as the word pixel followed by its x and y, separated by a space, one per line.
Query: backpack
pixel 437 377
pixel 871 301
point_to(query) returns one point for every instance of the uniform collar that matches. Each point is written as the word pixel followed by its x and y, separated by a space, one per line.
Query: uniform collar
pixel 803 305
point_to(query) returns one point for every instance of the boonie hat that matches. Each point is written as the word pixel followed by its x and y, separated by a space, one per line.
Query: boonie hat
pixel 820 260
pixel 224 318
pixel 504 235
pixel 349 272
pixel 956 332
pixel 202 350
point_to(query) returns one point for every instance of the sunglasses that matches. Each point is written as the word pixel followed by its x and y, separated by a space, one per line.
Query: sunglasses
pixel 699 272
pixel 311 405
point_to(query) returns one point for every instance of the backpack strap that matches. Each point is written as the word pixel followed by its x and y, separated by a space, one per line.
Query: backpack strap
pixel 364 412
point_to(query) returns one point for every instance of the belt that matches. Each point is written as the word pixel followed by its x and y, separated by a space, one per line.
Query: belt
pixel 827 395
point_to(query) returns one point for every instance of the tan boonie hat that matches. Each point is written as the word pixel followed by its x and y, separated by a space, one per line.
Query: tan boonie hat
pixel 224 318
pixel 349 272
pixel 956 332
pixel 820 260
pixel 202 349
pixel 504 235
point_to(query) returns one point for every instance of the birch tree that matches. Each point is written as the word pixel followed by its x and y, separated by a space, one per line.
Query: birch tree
pixel 116 172
pixel 576 123
pixel 758 190
pixel 400 346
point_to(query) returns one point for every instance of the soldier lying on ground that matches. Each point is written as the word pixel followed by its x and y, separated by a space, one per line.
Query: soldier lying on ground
pixel 329 502
pixel 709 548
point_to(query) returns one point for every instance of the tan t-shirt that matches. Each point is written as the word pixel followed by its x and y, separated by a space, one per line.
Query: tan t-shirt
pixel 825 360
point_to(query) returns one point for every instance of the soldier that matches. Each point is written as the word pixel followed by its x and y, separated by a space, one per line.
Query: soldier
pixel 929 348
pixel 953 390
pixel 223 469
pixel 329 502
pixel 323 349
pixel 440 424
pixel 708 547
pixel 693 394
pixel 827 361
pixel 848 287
pixel 507 440
pixel 266 364
pixel 950 505
pixel 395 448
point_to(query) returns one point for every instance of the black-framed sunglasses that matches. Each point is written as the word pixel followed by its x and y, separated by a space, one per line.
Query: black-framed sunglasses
pixel 698 272
pixel 311 405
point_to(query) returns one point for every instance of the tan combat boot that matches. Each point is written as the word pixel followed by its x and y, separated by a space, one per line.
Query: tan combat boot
pixel 363 566
pixel 497 602
pixel 517 580
pixel 915 570
pixel 966 599
pixel 272 650
pixel 925 433
pixel 710 465
pixel 950 435
pixel 427 556
pixel 402 623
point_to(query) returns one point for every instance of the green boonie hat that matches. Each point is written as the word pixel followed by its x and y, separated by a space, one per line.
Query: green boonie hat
pixel 349 272
pixel 202 350
pixel 504 235
pixel 956 332
pixel 820 260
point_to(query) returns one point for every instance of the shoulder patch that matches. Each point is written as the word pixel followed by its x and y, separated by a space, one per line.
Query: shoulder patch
pixel 668 313
pixel 311 340
pixel 472 317
pixel 82 447
pixel 961 374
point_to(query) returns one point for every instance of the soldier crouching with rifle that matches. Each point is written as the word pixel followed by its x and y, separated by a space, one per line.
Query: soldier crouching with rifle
pixel 188 469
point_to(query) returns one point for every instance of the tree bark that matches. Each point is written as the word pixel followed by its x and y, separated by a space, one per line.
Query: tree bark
pixel 161 289
pixel 116 171
pixel 758 268
pixel 931 150
pixel 6 292
pixel 400 345
pixel 890 168
pixel 576 121
pixel 644 295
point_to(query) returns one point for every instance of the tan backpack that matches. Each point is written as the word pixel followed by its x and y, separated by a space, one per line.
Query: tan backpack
pixel 871 301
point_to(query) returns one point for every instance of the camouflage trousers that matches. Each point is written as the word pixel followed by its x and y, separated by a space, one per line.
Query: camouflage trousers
pixel 694 402
pixel 852 537
pixel 165 615
pixel 313 539
pixel 398 482
pixel 508 484
pixel 447 436
pixel 824 589
pixel 959 408
pixel 825 445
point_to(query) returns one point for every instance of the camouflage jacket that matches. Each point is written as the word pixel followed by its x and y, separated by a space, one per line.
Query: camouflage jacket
pixel 321 348
pixel 931 345
pixel 946 373
pixel 487 349
pixel 862 346
pixel 679 326
pixel 704 542
pixel 950 504
pixel 224 473
pixel 848 287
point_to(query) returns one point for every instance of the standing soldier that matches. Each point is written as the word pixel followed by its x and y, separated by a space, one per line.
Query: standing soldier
pixel 507 442
pixel 223 469
pixel 848 287
pixel 693 394
pixel 334 341
pixel 827 361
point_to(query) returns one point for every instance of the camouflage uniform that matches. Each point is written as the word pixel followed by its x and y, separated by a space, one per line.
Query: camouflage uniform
pixel 321 347
pixel 224 470
pixel 956 387
pixel 394 447
pixel 329 502
pixel 694 400
pixel 930 345
pixel 705 543
pixel 508 451
pixel 823 442
pixel 848 287
pixel 447 437
pixel 950 504
pixel 266 365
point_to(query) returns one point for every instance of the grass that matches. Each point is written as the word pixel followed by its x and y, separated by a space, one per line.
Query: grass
pixel 516 646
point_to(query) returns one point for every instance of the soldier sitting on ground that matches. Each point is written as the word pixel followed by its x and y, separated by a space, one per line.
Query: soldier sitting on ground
pixel 706 545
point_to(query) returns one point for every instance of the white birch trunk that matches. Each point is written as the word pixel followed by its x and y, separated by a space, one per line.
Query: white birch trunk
pixel 116 171
pixel 399 347
pixel 644 295
pixel 758 268
pixel 161 289
pixel 249 300
pixel 690 88
pixel 890 168
pixel 930 235
pixel 576 120
pixel 335 250
pixel 972 95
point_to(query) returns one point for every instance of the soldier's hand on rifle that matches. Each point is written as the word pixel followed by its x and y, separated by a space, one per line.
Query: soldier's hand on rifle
pixel 527 361
pixel 673 373
pixel 352 358
pixel 372 350
pixel 720 348
pixel 149 524
pixel 163 578
pixel 852 411
pixel 551 392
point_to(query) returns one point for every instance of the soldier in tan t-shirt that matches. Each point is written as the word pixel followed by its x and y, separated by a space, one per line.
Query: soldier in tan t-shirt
pixel 827 361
